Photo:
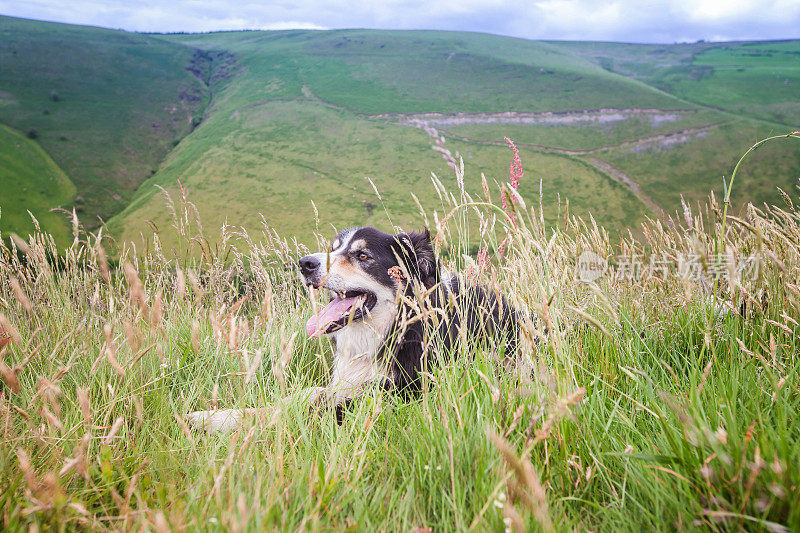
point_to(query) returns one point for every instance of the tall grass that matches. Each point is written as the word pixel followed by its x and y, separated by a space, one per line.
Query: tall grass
pixel 661 400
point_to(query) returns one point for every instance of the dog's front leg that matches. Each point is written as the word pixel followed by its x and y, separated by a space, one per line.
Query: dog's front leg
pixel 226 420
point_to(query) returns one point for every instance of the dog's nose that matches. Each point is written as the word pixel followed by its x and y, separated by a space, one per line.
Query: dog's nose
pixel 309 264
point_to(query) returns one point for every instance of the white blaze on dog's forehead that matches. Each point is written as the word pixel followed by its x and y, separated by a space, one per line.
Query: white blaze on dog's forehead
pixel 341 242
pixel 358 244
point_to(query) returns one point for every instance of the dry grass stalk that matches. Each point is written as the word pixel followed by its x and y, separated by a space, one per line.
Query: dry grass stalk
pixel 102 263
pixel 85 405
pixel 180 283
pixel 78 462
pixel 559 411
pixel 9 328
pixel 112 433
pixel 110 350
pixel 21 297
pixel 525 484
pixel 196 336
pixel 132 337
pixel 136 288
pixel 10 377
pixel 196 288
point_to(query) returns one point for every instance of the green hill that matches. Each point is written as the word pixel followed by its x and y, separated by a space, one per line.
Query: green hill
pixel 291 117
pixel 755 79
pixel 31 182
pixel 303 119
pixel 105 105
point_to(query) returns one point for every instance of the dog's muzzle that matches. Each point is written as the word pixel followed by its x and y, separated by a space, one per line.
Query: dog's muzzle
pixel 310 268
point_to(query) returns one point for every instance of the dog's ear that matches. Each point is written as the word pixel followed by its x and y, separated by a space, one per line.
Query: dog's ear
pixel 417 253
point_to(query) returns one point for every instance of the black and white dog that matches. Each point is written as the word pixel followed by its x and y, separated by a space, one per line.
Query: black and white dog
pixel 393 312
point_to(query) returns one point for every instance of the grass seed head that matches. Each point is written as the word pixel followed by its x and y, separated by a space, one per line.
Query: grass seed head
pixel 7 327
pixel 21 297
pixel 9 377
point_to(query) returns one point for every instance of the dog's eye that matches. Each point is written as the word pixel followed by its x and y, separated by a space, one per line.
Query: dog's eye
pixel 362 256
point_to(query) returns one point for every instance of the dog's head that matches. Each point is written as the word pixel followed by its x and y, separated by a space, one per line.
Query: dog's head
pixel 363 272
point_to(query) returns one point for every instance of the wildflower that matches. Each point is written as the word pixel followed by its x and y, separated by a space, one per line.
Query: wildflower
pixel 483 258
pixel 515 167
pixel 396 273
pixel 502 248
pixel 514 175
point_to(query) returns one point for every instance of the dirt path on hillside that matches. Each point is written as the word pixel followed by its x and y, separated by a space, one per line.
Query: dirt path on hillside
pixel 665 140
pixel 431 123
pixel 620 177
pixel 548 118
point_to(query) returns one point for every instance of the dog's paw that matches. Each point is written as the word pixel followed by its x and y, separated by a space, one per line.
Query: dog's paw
pixel 223 420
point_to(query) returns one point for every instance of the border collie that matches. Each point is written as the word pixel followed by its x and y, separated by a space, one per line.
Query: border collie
pixel 393 311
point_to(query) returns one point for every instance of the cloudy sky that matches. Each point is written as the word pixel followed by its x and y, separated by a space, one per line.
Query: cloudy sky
pixel 662 21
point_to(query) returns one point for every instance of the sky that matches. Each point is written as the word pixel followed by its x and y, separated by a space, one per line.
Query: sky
pixel 654 21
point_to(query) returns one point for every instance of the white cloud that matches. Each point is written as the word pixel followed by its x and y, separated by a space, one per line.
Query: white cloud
pixel 616 20
pixel 292 25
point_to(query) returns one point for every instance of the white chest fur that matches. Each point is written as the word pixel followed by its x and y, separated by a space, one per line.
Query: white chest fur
pixel 355 363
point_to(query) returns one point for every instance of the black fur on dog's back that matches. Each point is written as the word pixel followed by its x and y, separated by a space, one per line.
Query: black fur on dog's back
pixel 451 311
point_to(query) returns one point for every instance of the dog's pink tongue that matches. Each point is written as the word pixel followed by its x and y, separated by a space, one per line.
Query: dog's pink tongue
pixel 338 308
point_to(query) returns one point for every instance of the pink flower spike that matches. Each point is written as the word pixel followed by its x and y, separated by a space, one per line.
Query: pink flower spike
pixel 515 172
pixel 396 273
pixel 483 258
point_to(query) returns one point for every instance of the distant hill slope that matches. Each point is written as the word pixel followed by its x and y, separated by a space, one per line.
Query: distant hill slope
pixel 307 115
pixel 303 117
pixel 31 181
pixel 106 105
pixel 755 79
pixel 296 121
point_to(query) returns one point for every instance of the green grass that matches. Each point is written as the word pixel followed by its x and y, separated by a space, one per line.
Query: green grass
pixel 687 169
pixel 590 191
pixel 122 99
pixel 646 411
pixel 31 181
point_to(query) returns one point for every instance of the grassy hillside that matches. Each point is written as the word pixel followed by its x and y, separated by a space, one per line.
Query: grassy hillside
pixel 755 79
pixel 31 181
pixel 298 120
pixel 701 160
pixel 105 105
pixel 278 157
pixel 620 130
pixel 654 403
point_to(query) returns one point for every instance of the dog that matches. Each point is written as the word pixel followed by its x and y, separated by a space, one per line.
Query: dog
pixel 393 312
